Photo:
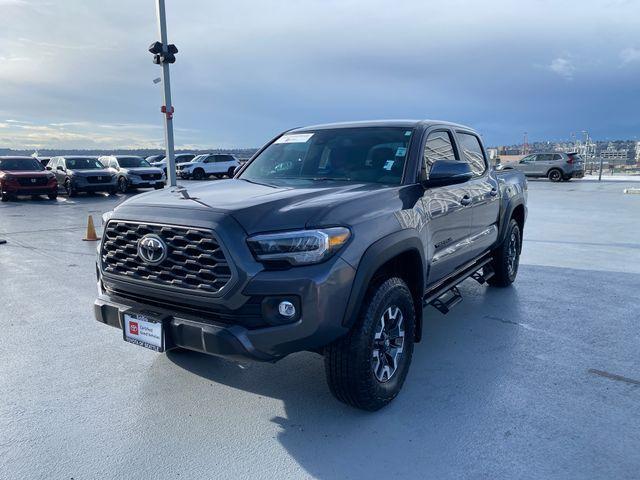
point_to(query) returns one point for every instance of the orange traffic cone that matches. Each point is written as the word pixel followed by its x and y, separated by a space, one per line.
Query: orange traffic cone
pixel 91 231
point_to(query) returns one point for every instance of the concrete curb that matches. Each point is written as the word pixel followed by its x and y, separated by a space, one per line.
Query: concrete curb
pixel 632 191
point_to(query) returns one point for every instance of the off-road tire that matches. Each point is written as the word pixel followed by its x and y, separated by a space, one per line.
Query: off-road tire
pixel 504 266
pixel 349 361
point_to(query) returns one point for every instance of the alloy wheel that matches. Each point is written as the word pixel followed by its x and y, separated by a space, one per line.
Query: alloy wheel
pixel 388 344
pixel 512 254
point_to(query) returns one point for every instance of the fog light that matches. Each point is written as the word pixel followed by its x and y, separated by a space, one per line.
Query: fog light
pixel 286 309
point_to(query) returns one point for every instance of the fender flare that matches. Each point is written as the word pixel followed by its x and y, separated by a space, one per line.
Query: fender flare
pixel 373 258
pixel 506 216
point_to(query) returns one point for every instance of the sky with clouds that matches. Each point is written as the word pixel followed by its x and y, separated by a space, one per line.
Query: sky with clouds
pixel 77 74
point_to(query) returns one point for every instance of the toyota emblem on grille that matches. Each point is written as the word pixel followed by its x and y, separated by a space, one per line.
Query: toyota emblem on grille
pixel 152 250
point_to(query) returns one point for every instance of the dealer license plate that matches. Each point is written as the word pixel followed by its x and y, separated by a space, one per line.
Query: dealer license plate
pixel 143 331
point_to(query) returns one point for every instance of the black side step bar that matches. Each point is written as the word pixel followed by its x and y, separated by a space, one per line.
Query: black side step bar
pixel 444 294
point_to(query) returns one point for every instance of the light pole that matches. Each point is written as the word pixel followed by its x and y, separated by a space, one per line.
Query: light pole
pixel 164 57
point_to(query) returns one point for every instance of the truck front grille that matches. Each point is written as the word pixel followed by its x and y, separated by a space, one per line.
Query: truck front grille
pixel 195 260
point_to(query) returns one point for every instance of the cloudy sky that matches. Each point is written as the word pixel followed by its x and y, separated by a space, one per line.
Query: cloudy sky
pixel 76 73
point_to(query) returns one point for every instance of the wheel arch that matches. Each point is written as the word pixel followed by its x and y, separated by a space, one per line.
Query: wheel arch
pixel 400 254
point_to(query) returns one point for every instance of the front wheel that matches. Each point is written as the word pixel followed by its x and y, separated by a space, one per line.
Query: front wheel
pixel 123 185
pixel 506 258
pixel 231 172
pixel 5 197
pixel 71 191
pixel 198 174
pixel 367 367
pixel 53 196
pixel 159 186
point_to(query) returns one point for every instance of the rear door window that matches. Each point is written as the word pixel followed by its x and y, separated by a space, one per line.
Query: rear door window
pixel 472 153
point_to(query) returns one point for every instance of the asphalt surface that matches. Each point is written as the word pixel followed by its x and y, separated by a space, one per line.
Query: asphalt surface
pixel 540 380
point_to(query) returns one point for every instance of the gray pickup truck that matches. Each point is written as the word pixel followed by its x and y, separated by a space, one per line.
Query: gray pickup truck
pixel 331 239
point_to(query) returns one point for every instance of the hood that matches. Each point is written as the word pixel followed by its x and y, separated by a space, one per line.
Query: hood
pixel 182 164
pixel 27 173
pixel 262 208
pixel 142 170
pixel 90 172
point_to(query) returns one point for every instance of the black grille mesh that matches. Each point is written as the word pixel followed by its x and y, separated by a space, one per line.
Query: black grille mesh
pixel 194 260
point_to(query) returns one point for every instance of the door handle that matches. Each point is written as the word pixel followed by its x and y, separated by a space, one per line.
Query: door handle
pixel 493 192
pixel 466 200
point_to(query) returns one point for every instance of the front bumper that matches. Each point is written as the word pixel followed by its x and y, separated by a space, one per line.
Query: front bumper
pixel 82 185
pixel 323 291
pixel 20 190
pixel 138 182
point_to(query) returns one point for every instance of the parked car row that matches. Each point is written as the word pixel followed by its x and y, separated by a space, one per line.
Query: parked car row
pixel 198 167
pixel 75 174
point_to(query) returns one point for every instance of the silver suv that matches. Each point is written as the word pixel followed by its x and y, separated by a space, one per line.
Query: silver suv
pixel 555 166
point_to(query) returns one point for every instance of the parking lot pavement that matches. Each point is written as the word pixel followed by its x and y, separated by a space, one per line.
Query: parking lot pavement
pixel 541 380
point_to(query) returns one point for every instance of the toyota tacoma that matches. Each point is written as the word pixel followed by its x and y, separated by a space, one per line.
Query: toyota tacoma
pixel 331 239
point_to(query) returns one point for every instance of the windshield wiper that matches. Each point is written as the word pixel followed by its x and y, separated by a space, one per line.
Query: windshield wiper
pixel 258 183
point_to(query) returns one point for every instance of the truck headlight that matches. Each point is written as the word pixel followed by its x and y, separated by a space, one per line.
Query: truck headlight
pixel 301 247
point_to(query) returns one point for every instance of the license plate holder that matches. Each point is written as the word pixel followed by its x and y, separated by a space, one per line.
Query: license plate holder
pixel 145 329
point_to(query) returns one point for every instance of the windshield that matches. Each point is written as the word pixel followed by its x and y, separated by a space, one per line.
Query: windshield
pixel 27 164
pixel 199 158
pixel 133 162
pixel 361 154
pixel 83 164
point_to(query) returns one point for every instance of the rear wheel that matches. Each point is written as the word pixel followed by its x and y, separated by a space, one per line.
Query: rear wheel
pixel 506 258
pixel 367 367
pixel 555 175
pixel 198 174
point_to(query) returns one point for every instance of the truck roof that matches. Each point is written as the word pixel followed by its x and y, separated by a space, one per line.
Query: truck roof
pixel 380 123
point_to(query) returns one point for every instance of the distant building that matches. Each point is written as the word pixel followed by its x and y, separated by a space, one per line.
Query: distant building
pixel 614 156
pixel 638 153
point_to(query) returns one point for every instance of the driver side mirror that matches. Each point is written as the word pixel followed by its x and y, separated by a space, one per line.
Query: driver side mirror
pixel 47 168
pixel 61 168
pixel 448 172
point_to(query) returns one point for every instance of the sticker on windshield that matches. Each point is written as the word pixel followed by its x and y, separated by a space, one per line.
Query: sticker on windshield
pixel 401 151
pixel 389 164
pixel 294 138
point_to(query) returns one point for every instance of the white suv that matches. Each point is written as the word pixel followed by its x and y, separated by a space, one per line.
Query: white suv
pixel 203 166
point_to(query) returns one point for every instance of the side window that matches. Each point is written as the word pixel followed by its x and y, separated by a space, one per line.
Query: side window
pixel 528 159
pixel 52 163
pixel 472 153
pixel 544 157
pixel 113 164
pixel 439 146
pixel 557 156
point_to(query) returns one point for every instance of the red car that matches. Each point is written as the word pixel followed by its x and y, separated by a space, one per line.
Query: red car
pixel 25 176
